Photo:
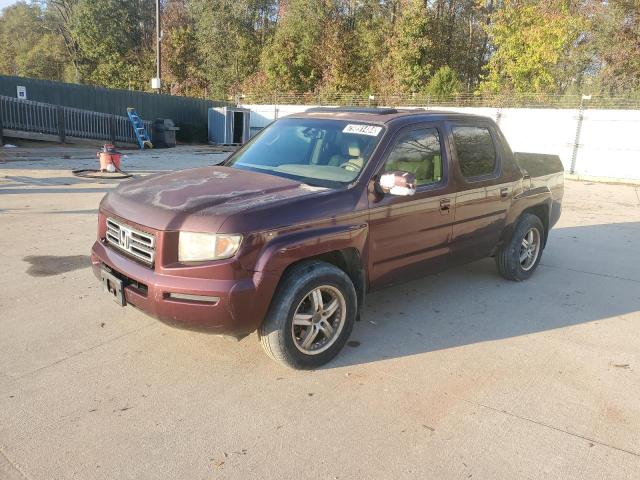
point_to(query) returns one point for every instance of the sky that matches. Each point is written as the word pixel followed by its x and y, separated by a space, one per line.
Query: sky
pixel 6 3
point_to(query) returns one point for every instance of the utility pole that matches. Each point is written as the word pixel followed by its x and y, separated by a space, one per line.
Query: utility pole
pixel 155 82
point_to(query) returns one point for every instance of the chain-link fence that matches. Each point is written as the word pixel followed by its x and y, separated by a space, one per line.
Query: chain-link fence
pixel 504 100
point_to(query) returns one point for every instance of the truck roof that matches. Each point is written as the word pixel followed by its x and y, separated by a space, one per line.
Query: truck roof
pixel 380 115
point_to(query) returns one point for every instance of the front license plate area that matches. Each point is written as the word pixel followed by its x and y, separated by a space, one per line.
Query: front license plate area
pixel 114 287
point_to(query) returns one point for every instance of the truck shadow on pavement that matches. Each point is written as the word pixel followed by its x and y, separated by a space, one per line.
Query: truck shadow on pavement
pixel 587 273
pixel 49 265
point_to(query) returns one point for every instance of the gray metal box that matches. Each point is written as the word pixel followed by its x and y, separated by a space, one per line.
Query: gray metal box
pixel 229 125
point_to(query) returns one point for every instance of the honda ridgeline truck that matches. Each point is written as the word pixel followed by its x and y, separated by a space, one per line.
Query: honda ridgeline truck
pixel 289 233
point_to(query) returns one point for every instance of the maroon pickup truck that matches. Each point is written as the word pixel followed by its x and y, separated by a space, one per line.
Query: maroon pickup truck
pixel 288 235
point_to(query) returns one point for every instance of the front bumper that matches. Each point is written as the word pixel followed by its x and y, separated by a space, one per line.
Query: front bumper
pixel 238 311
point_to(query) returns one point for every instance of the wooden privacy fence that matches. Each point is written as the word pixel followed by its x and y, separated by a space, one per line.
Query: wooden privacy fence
pixel 44 121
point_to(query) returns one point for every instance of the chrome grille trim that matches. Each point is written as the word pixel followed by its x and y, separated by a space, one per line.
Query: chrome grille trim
pixel 140 245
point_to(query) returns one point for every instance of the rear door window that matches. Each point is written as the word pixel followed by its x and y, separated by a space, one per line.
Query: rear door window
pixel 475 150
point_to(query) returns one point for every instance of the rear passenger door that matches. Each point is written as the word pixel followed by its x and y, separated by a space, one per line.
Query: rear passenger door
pixel 482 198
pixel 410 235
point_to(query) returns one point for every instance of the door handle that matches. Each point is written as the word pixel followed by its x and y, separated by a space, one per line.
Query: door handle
pixel 504 192
pixel 445 206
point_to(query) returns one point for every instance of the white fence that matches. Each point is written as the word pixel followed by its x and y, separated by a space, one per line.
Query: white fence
pixel 608 146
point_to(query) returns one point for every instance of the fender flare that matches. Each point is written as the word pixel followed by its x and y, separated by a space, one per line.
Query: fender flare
pixel 524 201
pixel 289 248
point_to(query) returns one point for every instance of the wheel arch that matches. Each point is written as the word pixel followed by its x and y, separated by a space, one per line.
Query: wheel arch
pixel 342 246
pixel 543 212
pixel 348 260
pixel 536 203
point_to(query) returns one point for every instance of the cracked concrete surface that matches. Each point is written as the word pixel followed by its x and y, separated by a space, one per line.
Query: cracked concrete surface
pixel 459 375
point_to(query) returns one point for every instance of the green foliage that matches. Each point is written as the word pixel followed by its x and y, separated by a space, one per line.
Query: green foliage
pixel 618 46
pixel 411 48
pixel 292 61
pixel 47 59
pixel 181 68
pixel 227 42
pixel 221 48
pixel 26 47
pixel 530 40
pixel 353 46
pixel 444 84
pixel 114 38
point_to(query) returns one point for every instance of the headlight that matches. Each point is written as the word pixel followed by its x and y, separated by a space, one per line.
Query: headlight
pixel 196 247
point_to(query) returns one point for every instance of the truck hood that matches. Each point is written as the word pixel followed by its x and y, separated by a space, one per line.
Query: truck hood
pixel 199 199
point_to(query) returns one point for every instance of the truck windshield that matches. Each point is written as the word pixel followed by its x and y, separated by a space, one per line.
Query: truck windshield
pixel 319 152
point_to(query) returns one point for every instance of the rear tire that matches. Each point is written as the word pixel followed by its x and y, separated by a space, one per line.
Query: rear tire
pixel 311 316
pixel 519 258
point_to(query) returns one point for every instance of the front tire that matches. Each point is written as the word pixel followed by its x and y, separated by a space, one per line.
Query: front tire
pixel 311 316
pixel 518 259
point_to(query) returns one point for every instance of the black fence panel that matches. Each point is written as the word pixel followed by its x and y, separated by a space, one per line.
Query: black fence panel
pixel 190 114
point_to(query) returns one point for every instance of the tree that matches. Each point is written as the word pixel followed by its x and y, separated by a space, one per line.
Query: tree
pixel 617 39
pixel 411 48
pixel 229 35
pixel 444 84
pixel 115 40
pixel 58 18
pixel 530 41
pixel 27 48
pixel 353 45
pixel 457 31
pixel 48 60
pixel 220 48
pixel 21 28
pixel 292 61
pixel 181 72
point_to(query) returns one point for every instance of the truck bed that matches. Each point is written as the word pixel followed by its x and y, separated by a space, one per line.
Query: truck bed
pixel 547 172
pixel 539 164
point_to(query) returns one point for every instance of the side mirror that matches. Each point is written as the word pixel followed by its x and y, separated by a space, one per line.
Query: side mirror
pixel 398 183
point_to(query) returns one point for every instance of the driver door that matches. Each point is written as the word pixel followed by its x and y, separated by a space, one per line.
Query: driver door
pixel 410 235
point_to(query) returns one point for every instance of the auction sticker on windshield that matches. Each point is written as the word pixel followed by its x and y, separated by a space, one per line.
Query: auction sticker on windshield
pixel 371 130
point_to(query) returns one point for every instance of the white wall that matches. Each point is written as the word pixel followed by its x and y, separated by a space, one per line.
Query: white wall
pixel 609 143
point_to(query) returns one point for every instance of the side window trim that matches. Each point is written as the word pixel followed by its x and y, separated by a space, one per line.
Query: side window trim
pixel 444 153
pixel 497 171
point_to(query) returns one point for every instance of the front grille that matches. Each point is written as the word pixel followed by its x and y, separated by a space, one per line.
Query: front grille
pixel 139 245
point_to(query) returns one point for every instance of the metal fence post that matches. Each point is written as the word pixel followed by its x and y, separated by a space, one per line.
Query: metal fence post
pixel 275 106
pixel 61 126
pixel 112 129
pixel 576 142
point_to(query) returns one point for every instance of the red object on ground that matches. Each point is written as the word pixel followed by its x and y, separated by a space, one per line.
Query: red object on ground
pixel 109 155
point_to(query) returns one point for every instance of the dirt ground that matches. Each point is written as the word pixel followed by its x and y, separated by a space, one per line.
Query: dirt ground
pixel 460 375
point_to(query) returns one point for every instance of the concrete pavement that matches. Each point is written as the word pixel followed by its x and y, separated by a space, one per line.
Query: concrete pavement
pixel 459 375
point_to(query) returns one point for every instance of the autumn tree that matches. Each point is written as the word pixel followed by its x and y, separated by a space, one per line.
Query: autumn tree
pixel 353 44
pixel 229 35
pixel 220 48
pixel 27 47
pixel 411 49
pixel 58 20
pixel 292 60
pixel 115 39
pixel 530 41
pixel 618 47
pixel 444 84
